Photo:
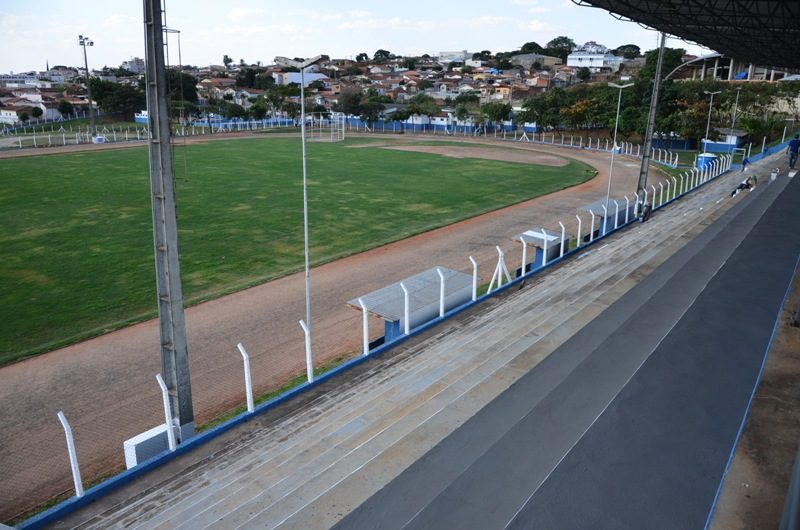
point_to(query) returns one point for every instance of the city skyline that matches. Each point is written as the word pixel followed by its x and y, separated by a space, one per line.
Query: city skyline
pixel 251 31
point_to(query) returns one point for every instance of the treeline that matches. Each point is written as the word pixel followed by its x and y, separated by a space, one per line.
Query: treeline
pixel 682 109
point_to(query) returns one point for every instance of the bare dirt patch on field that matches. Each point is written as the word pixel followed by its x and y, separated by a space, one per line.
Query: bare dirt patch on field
pixel 488 153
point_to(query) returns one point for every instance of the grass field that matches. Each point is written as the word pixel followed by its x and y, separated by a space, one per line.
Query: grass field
pixel 76 228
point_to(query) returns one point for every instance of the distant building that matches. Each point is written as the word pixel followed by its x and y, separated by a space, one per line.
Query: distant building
pixel 595 57
pixel 22 79
pixel 287 78
pixel 454 57
pixel 135 65
pixel 527 60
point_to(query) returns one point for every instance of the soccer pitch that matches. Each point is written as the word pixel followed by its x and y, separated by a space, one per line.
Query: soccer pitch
pixel 76 228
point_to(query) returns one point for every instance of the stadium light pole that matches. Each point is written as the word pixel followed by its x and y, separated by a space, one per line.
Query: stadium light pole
pixel 85 41
pixel 614 145
pixel 736 106
pixel 302 65
pixel 708 124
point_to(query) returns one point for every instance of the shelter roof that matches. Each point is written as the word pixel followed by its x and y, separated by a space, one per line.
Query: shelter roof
pixel 763 32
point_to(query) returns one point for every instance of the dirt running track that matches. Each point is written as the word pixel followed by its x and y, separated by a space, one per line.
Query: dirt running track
pixel 106 386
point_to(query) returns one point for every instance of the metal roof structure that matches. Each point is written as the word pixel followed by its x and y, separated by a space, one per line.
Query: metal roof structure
pixel 762 32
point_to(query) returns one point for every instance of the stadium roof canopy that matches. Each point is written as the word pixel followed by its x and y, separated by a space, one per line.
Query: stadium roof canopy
pixel 763 32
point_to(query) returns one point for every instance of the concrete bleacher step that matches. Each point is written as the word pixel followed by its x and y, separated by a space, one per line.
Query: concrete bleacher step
pixel 229 522
pixel 433 357
pixel 454 371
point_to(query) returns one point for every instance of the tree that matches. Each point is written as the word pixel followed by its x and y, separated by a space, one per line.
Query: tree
pixel 580 112
pixel 584 74
pixel 531 47
pixel 226 60
pixel 232 110
pixel 423 105
pixel 182 87
pixel 560 47
pixel 409 63
pixel 628 51
pixel 468 97
pixel 370 110
pixel 400 116
pixel 264 82
pixel 381 56
pixel 424 84
pixel 350 102
pixel 483 55
pixel 246 78
pixel 496 111
pixel 112 97
pixel 36 112
pixel 362 57
pixel 65 107
pixel 259 108
pixel 291 108
pixel 23 116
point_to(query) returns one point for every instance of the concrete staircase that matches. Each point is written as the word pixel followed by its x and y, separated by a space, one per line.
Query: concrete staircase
pixel 313 466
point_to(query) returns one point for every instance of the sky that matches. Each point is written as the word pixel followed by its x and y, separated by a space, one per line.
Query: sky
pixel 34 33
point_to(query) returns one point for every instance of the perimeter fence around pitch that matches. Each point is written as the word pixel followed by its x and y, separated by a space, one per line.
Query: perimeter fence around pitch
pixel 89 461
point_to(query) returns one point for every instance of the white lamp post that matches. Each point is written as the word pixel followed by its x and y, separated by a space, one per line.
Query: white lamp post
pixel 614 144
pixel 708 124
pixel 283 61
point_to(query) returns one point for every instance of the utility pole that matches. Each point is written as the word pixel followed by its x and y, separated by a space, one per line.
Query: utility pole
pixel 84 41
pixel 174 350
pixel 651 118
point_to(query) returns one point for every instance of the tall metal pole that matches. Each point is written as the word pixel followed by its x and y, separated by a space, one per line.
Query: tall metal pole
pixel 174 350
pixel 708 123
pixel 305 193
pixel 84 41
pixel 614 145
pixel 735 106
pixel 651 118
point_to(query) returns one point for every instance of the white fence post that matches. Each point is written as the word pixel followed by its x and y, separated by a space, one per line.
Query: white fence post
pixel 524 254
pixel 474 278
pixel 661 194
pixel 406 310
pixel 167 413
pixel 73 456
pixel 309 358
pixel 591 232
pixel 644 201
pixel 564 233
pixel 365 324
pixel 499 270
pixel 248 380
pixel 605 219
pixel 578 236
pixel 616 214
pixel 627 208
pixel 654 196
pixel 441 292
pixel 544 251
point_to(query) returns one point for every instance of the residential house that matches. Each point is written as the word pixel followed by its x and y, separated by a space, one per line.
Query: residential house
pixel 595 57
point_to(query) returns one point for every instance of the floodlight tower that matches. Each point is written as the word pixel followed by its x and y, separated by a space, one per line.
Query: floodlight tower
pixel 85 41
